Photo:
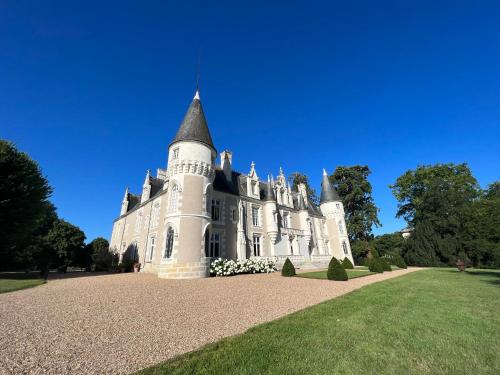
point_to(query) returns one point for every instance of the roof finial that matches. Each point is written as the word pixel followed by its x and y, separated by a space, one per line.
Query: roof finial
pixel 324 172
pixel 197 95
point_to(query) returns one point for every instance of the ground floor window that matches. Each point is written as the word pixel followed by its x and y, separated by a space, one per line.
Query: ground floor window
pixel 214 246
pixel 256 246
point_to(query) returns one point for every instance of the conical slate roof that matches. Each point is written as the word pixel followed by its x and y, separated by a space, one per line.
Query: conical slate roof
pixel 328 192
pixel 194 126
pixel 269 192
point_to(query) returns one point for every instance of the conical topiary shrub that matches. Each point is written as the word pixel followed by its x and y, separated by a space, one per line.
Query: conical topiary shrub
pixel 385 264
pixel 336 271
pixel 374 265
pixel 346 263
pixel 288 268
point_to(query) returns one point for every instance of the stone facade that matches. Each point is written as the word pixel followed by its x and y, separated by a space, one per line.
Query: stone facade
pixel 195 210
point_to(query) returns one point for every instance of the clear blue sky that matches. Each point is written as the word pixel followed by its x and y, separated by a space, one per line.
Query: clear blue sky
pixel 95 91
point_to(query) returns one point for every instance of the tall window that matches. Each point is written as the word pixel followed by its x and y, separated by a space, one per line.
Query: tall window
pixel 285 220
pixel 169 244
pixel 344 247
pixel 341 228
pixel 151 248
pixel 256 246
pixel 155 214
pixel 255 216
pixel 215 210
pixel 214 250
pixel 233 214
pixel 173 198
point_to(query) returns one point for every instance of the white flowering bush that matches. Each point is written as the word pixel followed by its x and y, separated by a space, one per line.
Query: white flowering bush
pixel 225 267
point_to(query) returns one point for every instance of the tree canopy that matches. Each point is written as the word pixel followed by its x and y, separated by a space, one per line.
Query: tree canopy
pixel 298 178
pixel 24 194
pixel 356 192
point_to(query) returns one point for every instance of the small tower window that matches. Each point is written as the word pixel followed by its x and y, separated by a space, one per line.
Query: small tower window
pixel 256 246
pixel 344 247
pixel 175 153
pixel 337 205
pixel 341 228
pixel 169 245
pixel 173 198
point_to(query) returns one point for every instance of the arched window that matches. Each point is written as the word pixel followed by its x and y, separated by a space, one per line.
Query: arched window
pixel 344 247
pixel 173 198
pixel 169 244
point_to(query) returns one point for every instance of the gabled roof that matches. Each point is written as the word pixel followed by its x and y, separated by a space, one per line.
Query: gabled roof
pixel 194 125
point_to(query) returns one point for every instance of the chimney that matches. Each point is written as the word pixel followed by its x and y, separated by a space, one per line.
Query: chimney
pixel 226 163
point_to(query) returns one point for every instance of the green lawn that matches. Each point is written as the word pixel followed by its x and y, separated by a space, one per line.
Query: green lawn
pixel 352 274
pixel 9 285
pixel 435 321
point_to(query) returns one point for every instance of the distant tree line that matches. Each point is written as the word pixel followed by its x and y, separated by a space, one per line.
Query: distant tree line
pixel 450 216
pixel 32 236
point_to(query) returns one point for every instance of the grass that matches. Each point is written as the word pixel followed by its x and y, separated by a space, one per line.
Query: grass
pixel 10 285
pixel 437 321
pixel 351 274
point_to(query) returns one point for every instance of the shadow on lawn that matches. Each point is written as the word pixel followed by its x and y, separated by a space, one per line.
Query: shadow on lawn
pixel 490 276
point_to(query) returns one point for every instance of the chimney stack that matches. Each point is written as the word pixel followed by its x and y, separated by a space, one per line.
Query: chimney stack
pixel 226 163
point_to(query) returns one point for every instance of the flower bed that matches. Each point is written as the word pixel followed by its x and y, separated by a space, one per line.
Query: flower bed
pixel 225 267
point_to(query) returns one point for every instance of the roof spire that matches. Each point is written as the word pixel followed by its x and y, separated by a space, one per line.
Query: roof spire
pixel 328 192
pixel 194 125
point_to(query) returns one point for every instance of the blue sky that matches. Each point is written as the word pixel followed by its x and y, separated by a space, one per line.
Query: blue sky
pixel 95 91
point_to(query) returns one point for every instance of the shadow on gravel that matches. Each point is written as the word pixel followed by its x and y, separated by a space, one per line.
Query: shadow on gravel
pixel 52 275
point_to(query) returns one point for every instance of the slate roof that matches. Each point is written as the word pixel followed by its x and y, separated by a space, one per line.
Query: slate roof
pixel 194 125
pixel 328 192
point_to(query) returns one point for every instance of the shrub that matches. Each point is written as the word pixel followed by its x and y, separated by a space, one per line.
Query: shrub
pixel 225 267
pixel 288 268
pixel 336 271
pixel 398 261
pixel 346 263
pixel 385 264
pixel 374 265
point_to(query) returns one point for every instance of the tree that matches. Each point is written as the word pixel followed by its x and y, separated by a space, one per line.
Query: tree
pixel 389 244
pixel 24 195
pixel 481 237
pixel 438 194
pixel 298 178
pixel 84 257
pixel 356 192
pixel 66 241
pixel 420 248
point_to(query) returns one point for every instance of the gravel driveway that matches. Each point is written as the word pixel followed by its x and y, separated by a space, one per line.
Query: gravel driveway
pixel 115 324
